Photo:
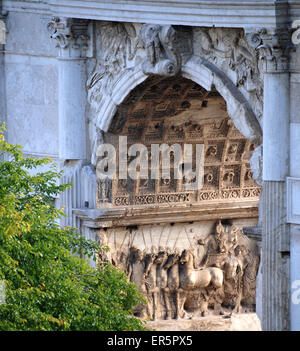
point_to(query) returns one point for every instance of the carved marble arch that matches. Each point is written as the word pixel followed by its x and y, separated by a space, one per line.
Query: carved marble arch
pixel 199 70
pixel 178 110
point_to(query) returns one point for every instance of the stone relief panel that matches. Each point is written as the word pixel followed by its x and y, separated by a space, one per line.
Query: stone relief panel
pixel 187 270
pixel 230 50
pixel 177 110
pixel 123 46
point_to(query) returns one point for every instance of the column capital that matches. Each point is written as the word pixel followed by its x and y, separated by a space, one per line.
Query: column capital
pixel 273 48
pixel 71 35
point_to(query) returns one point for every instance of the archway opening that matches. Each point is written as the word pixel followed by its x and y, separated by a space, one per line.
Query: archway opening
pixel 178 110
pixel 203 225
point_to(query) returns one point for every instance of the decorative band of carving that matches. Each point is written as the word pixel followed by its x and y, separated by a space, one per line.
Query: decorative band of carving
pixel 149 199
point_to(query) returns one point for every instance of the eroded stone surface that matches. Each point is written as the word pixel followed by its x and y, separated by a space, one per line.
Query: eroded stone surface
pixel 184 272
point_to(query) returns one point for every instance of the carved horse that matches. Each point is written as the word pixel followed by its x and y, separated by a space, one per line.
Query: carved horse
pixel 192 279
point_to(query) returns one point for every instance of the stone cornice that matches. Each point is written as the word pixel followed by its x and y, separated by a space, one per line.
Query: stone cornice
pixel 137 215
pixel 243 13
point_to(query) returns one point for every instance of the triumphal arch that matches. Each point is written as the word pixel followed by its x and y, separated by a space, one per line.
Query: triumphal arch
pixel 132 75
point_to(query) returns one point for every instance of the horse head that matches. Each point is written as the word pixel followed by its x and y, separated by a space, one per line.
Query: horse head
pixel 160 257
pixel 173 258
pixel 186 256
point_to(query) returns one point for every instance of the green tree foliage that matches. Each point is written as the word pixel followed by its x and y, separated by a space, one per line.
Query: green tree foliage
pixel 48 285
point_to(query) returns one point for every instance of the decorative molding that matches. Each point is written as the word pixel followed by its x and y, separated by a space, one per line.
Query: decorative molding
pixel 218 13
pixel 293 200
pixel 177 213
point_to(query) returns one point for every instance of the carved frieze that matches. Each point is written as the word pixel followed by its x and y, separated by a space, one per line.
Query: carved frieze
pixel 230 51
pixel 184 274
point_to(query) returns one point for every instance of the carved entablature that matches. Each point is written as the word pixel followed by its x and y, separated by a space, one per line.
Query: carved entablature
pixel 179 111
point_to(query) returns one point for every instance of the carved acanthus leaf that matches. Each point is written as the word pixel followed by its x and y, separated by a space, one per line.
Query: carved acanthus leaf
pixel 69 32
pixel 273 47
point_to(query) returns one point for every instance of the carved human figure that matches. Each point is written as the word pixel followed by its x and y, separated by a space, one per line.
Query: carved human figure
pixel 233 239
pixel 250 264
pixel 221 238
pixel 245 64
pixel 233 272
pixel 173 283
pixel 200 252
pixel 136 273
pixel 161 277
pixel 150 276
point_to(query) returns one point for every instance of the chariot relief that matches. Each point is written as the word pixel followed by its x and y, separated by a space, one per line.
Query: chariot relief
pixel 213 274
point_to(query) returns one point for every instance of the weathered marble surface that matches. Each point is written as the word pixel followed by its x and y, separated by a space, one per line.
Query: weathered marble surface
pixel 186 270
